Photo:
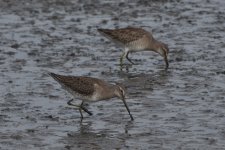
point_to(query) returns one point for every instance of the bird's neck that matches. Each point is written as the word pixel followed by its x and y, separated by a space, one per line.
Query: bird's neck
pixel 154 45
pixel 107 93
pixel 113 90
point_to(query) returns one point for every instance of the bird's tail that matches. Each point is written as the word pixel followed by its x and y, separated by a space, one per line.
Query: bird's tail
pixel 104 31
pixel 55 76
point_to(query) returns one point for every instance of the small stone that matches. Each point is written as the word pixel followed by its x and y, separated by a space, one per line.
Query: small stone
pixel 15 46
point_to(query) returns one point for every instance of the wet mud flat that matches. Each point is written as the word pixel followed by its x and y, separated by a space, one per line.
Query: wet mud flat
pixel 182 108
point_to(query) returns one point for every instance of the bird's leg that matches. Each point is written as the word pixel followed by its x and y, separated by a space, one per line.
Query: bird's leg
pixel 81 106
pixel 85 109
pixel 167 63
pixel 121 58
pixel 80 109
pixel 129 58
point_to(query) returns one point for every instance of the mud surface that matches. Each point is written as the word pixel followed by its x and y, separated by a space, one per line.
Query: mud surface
pixel 182 108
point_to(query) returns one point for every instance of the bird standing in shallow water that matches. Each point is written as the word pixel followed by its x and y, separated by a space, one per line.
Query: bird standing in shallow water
pixel 90 89
pixel 135 40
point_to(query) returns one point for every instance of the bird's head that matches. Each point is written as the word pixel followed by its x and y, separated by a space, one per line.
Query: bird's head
pixel 120 91
pixel 163 50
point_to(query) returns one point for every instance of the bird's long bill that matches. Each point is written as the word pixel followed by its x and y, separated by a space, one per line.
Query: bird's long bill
pixel 166 61
pixel 127 108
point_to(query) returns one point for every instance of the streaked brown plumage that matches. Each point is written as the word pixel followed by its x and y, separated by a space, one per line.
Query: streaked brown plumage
pixel 90 89
pixel 134 40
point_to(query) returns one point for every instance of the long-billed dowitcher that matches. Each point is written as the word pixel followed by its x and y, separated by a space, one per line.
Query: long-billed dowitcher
pixel 90 89
pixel 135 40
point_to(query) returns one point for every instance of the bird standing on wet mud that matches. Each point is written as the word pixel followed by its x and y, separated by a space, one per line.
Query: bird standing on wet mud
pixel 134 40
pixel 90 89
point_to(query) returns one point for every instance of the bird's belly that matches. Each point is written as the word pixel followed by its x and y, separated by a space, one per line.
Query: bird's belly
pixel 83 97
pixel 136 47
pixel 87 97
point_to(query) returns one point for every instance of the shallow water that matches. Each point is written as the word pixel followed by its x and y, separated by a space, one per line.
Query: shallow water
pixel 182 108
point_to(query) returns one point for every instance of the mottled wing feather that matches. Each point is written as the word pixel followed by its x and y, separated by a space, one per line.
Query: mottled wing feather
pixel 81 85
pixel 124 35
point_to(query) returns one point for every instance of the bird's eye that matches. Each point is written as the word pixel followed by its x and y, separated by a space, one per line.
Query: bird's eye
pixel 122 91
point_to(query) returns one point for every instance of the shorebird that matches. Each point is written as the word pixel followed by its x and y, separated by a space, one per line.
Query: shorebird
pixel 134 40
pixel 89 89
